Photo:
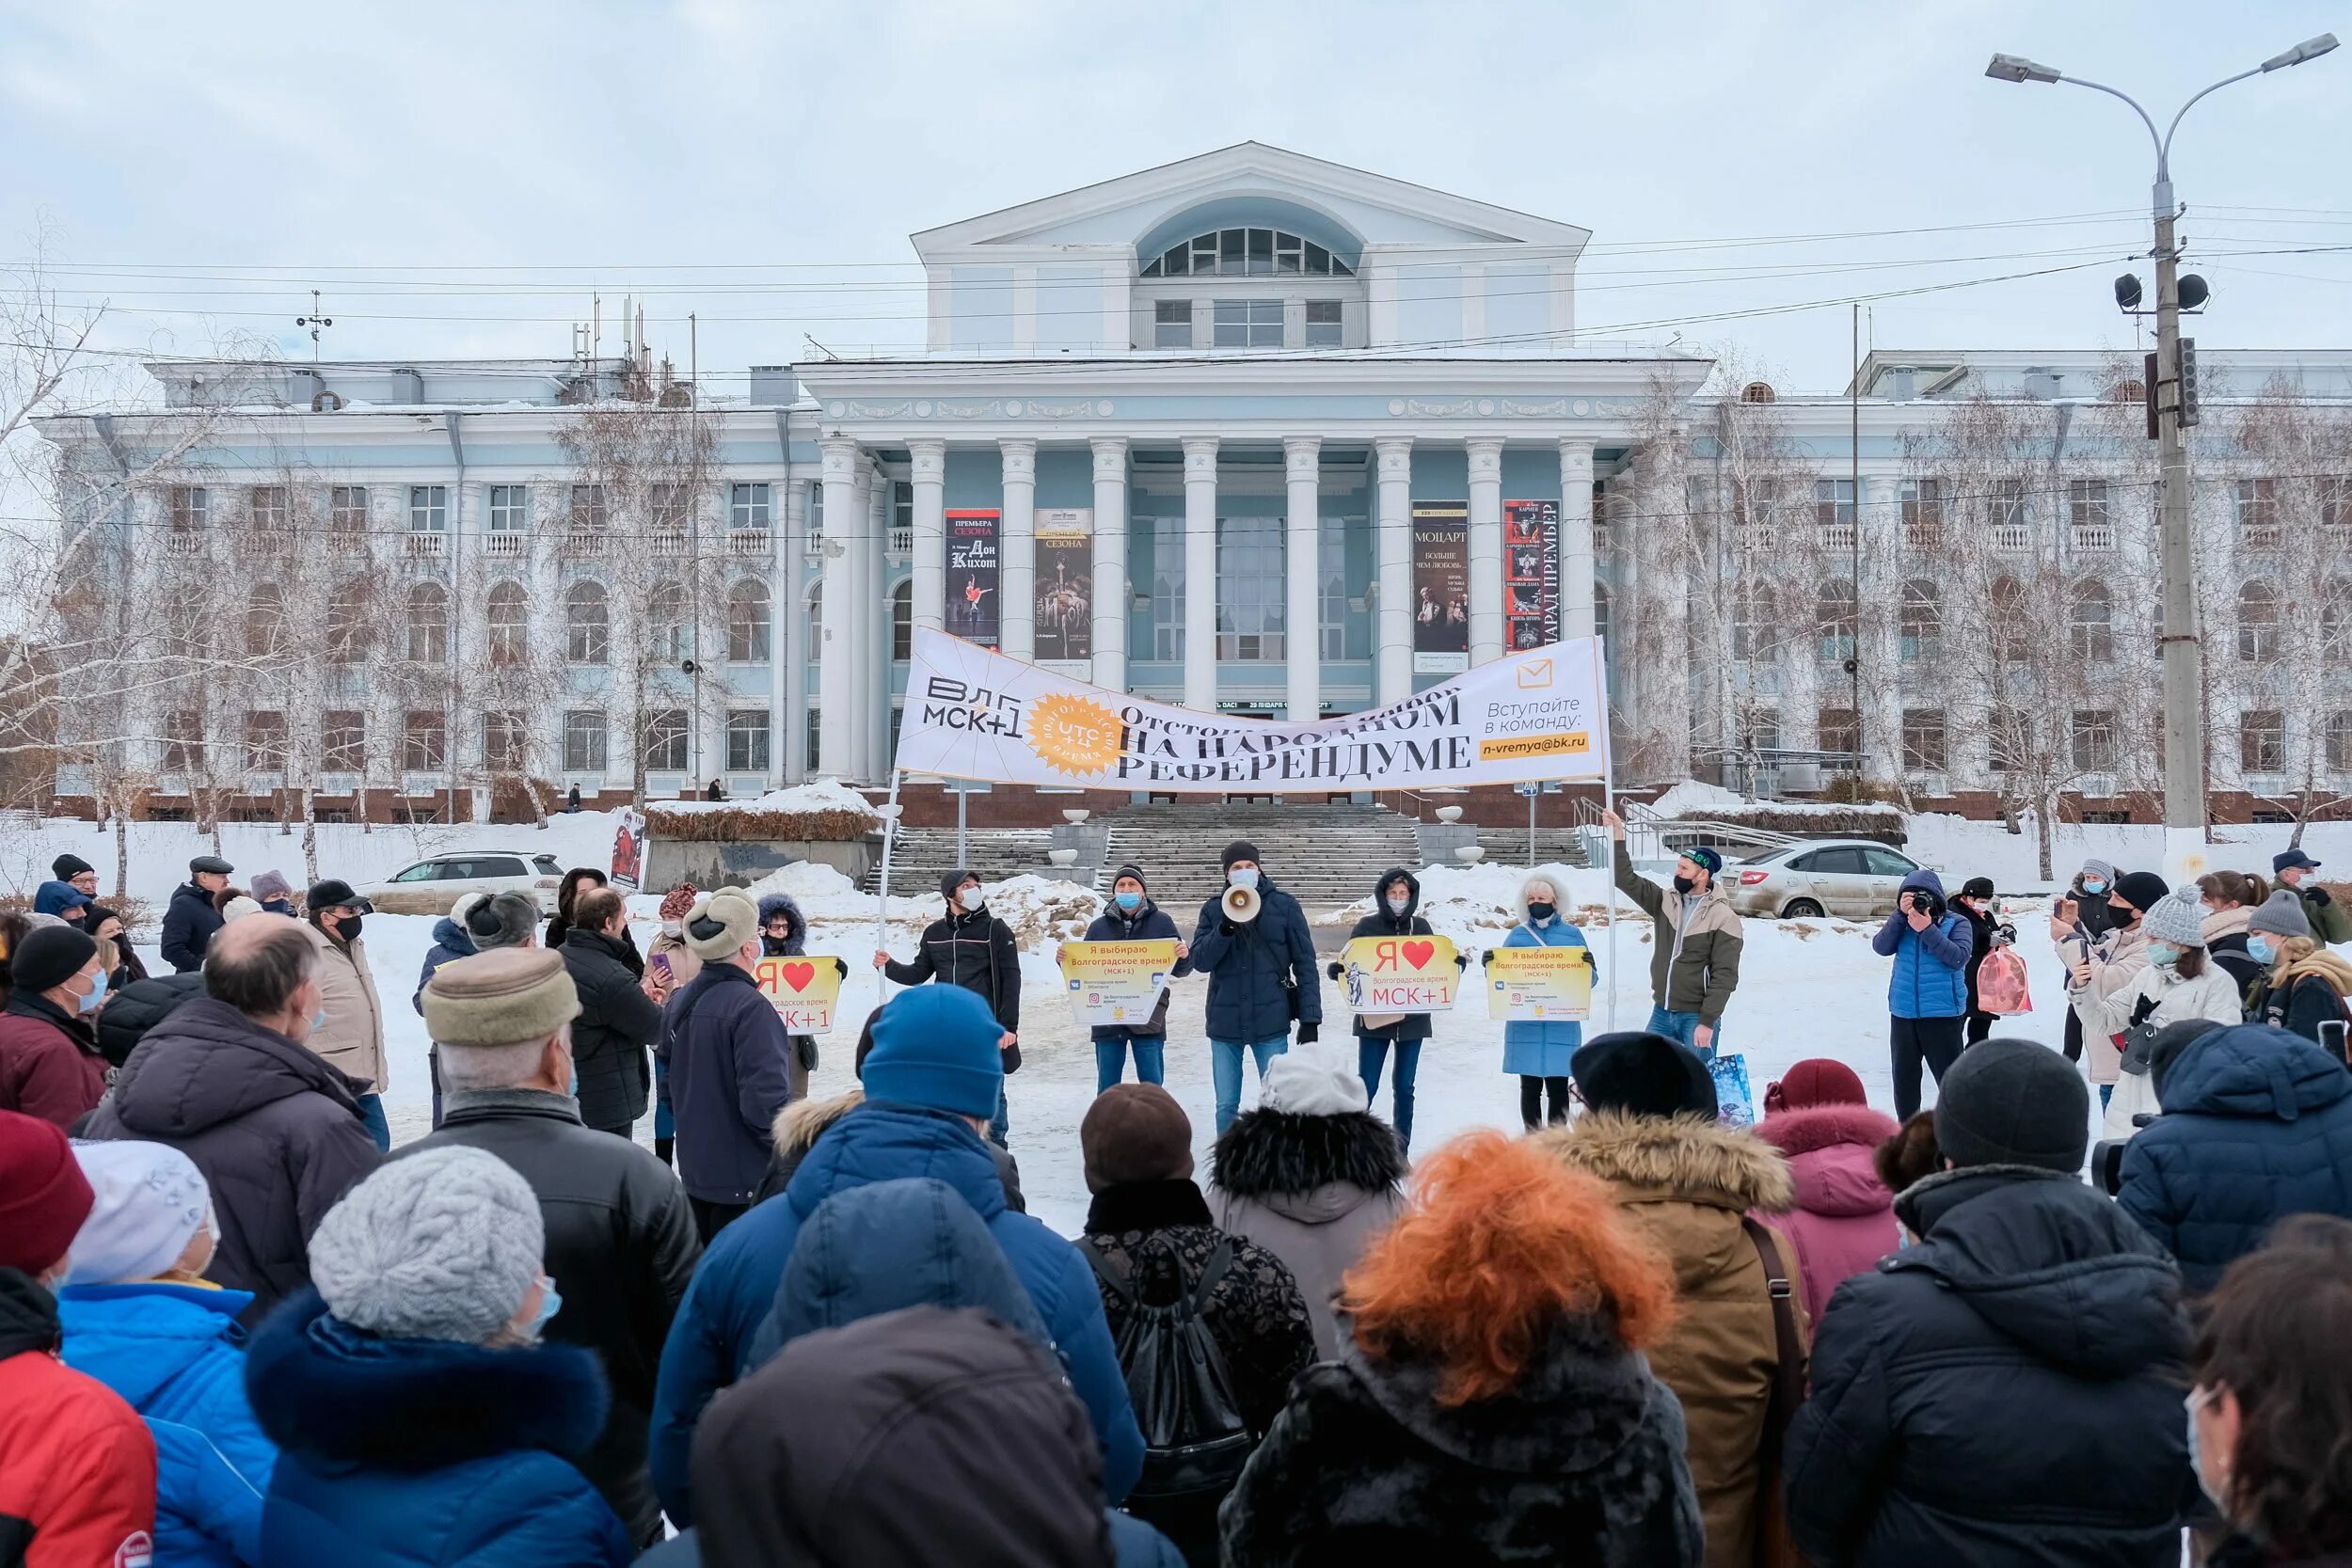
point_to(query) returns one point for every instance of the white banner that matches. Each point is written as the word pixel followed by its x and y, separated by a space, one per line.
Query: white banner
pixel 972 713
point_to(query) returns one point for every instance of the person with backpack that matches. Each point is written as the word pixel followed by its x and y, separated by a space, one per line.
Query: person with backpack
pixel 2301 985
pixel 1184 1297
pixel 1927 993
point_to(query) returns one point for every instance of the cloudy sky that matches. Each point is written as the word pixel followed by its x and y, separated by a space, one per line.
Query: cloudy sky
pixel 458 177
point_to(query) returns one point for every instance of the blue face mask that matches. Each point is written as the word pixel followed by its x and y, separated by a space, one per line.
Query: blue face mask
pixel 549 1305
pixel 2259 949
pixel 97 994
pixel 2163 954
pixel 2093 884
pixel 1129 900
pixel 1246 876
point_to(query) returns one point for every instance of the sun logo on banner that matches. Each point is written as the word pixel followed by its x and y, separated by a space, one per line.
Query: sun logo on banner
pixel 1075 734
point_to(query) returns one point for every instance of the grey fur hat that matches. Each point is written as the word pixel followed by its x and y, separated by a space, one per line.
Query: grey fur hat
pixel 2178 918
pixel 502 920
pixel 442 1244
pixel 507 996
pixel 2281 916
pixel 720 923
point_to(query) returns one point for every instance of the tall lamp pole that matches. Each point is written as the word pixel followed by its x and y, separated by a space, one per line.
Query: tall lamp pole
pixel 2183 653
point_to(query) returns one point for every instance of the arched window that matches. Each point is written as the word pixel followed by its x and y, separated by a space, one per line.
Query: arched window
pixel 427 624
pixel 902 621
pixel 347 639
pixel 667 619
pixel 187 622
pixel 1836 616
pixel 509 618
pixel 748 622
pixel 2091 621
pixel 816 626
pixel 1246 253
pixel 1922 619
pixel 587 624
pixel 265 622
pixel 1755 616
pixel 2257 623
pixel 2335 622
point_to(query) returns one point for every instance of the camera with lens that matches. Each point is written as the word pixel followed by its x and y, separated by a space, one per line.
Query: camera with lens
pixel 2107 1157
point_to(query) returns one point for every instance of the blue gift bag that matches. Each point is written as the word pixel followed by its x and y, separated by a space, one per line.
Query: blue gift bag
pixel 1735 1105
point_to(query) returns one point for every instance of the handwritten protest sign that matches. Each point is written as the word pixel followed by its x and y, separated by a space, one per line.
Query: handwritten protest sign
pixel 1529 984
pixel 1111 983
pixel 802 991
pixel 1398 975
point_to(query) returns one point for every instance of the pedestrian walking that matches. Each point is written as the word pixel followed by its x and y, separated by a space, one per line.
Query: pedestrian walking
pixel 618 1021
pixel 1262 977
pixel 1694 962
pixel 2181 982
pixel 2301 985
pixel 1490 1402
pixel 51 1066
pixel 1926 992
pixel 1132 916
pixel 969 946
pixel 190 919
pixel 349 1034
pixel 2330 924
pixel 1538 1051
pixel 730 1064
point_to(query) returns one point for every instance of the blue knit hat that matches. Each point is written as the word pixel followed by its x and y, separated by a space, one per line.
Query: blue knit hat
pixel 935 1046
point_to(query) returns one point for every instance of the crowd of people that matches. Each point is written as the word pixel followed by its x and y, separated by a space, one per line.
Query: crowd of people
pixel 237 1327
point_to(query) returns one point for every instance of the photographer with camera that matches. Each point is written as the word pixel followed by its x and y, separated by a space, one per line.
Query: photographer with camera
pixel 2098 966
pixel 1926 995
pixel 2181 983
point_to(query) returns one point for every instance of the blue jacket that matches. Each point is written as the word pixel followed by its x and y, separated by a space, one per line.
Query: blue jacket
pixel 1930 977
pixel 422 1454
pixel 189 922
pixel 58 897
pixel 1540 1048
pixel 1248 999
pixel 712 1341
pixel 449 943
pixel 177 1356
pixel 2257 1125
pixel 1150 920
pixel 729 1074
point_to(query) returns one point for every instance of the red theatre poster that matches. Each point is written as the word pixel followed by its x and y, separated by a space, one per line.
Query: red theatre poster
pixel 1441 587
pixel 1530 574
pixel 974 605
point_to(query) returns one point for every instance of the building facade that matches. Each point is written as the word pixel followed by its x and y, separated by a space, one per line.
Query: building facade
pixel 1251 431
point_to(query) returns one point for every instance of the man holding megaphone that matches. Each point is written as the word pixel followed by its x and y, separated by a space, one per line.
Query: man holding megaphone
pixel 1254 947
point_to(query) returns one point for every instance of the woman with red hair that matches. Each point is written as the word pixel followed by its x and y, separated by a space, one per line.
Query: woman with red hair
pixel 1490 1402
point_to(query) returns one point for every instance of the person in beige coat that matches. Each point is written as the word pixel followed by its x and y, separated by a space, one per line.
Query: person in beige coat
pixel 2097 970
pixel 350 1037
pixel 1650 1133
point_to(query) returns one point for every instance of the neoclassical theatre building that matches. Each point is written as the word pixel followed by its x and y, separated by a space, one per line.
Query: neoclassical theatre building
pixel 1251 431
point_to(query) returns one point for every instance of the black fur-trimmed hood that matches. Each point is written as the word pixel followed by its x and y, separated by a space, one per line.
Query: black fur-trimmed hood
pixel 321 1388
pixel 1268 1154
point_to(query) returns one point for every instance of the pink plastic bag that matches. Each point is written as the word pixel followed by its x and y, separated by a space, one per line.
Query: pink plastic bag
pixel 2001 986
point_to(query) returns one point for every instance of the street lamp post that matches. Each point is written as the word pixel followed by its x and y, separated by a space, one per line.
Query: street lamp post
pixel 2183 653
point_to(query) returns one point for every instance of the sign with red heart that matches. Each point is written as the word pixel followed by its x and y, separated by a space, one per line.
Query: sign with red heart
pixel 1387 977
pixel 802 991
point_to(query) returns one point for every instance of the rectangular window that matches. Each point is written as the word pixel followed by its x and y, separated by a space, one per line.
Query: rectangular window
pixel 184 741
pixel 1331 586
pixel 423 742
pixel 428 508
pixel 1840 730
pixel 1250 589
pixel 503 742
pixel 2090 522
pixel 2006 512
pixel 1923 740
pixel 748 506
pixel 510 508
pixel 191 508
pixel 347 512
pixel 264 741
pixel 1323 324
pixel 2340 742
pixel 1168 589
pixel 665 740
pixel 2257 502
pixel 2262 741
pixel 813 727
pixel 747 742
pixel 1833 512
pixel 583 741
pixel 343 741
pixel 1922 503
pixel 2093 740
pixel 1172 323
pixel 670 506
pixel 2006 738
pixel 586 509
pixel 1248 323
pixel 2335 501
pixel 266 503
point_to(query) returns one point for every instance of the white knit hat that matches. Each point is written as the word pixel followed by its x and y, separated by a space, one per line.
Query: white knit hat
pixel 440 1245
pixel 2178 919
pixel 152 1200
pixel 1312 1081
pixel 238 907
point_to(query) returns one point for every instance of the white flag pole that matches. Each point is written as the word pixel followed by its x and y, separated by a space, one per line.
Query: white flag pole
pixel 1609 804
pixel 881 900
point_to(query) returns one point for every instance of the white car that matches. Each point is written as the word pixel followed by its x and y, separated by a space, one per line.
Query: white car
pixel 431 886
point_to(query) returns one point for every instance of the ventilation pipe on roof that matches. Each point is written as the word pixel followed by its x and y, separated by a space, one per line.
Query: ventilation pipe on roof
pixel 2041 382
pixel 1902 383
pixel 410 382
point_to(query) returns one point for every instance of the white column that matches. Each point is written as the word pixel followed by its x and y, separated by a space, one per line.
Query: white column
pixel 787 678
pixel 1110 592
pixel 835 691
pixel 1302 620
pixel 1393 663
pixel 1878 599
pixel 1485 551
pixel 875 661
pixel 1201 572
pixel 1017 538
pixel 929 558
pixel 1578 567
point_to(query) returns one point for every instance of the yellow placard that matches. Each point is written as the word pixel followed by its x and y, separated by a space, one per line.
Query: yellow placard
pixel 1531 984
pixel 1114 983
pixel 802 991
pixel 1398 975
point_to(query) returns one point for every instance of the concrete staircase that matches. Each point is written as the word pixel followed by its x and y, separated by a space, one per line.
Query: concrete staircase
pixel 1322 855
pixel 1553 847
pixel 921 855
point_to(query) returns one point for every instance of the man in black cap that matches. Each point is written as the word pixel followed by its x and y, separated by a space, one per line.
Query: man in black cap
pixel 190 920
pixel 2330 924
pixel 75 869
pixel 2028 1294
pixel 349 1034
pixel 1262 977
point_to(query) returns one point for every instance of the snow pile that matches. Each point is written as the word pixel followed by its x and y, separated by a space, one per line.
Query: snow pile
pixel 1691 797
pixel 824 893
pixel 808 799
pixel 1040 910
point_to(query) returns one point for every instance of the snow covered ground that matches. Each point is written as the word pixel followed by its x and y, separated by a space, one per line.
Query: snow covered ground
pixel 1807 988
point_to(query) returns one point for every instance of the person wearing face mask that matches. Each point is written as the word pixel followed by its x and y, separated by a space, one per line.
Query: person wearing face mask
pixel 227 1079
pixel 141 1318
pixel 350 1034
pixel 669 967
pixel 1396 906
pixel 107 925
pixel 1131 916
pixel 1262 975
pixel 2097 968
pixel 1539 1050
pixel 50 1063
pixel 1694 960
pixel 2229 899
pixel 2331 922
pixel 77 1466
pixel 420 1418
pixel 1985 932
pixel 2082 911
pixel 2181 983
pixel 2301 985
pixel 969 946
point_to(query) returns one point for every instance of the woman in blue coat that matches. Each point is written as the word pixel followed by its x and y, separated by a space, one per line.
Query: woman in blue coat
pixel 140 1317
pixel 420 1421
pixel 1538 1049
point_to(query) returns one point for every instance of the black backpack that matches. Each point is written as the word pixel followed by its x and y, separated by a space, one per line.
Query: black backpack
pixel 1195 1441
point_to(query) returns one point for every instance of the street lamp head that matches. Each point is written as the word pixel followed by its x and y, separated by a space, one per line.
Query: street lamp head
pixel 2309 49
pixel 2193 291
pixel 2016 67
pixel 2127 294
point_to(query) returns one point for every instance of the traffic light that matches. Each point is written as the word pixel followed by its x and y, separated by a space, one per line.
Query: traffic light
pixel 2147 392
pixel 2188 382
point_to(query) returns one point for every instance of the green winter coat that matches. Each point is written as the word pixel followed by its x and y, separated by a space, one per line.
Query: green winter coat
pixel 1699 979
pixel 2331 922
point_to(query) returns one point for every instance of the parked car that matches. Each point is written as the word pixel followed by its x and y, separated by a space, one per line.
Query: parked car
pixel 431 886
pixel 1853 876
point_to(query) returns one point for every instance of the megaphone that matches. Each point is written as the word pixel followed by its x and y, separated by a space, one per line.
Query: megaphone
pixel 1240 905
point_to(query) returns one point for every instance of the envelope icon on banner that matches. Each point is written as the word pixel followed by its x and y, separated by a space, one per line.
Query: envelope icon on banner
pixel 1534 674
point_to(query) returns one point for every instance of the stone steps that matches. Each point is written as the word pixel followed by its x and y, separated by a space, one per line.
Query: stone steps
pixel 1553 847
pixel 1322 855
pixel 920 855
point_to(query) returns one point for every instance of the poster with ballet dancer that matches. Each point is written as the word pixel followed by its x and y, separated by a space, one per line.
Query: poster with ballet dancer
pixel 1064 593
pixel 1530 574
pixel 1440 588
pixel 974 610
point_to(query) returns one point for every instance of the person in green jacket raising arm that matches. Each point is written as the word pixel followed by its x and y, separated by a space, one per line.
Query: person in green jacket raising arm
pixel 2331 922
pixel 1694 963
